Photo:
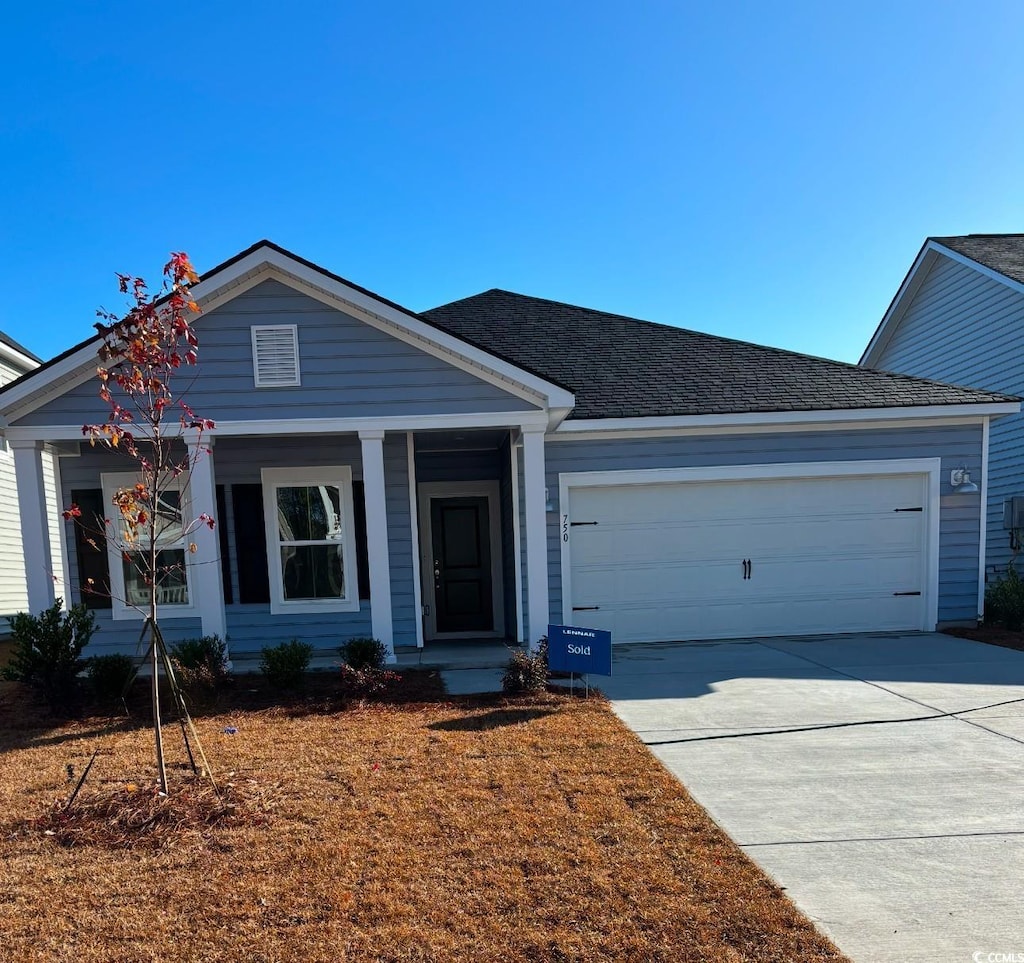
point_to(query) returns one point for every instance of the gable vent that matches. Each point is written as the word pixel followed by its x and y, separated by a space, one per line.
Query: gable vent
pixel 275 355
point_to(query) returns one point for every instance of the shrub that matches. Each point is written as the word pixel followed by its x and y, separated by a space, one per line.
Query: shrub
pixel 284 664
pixel 364 653
pixel 48 648
pixel 527 671
pixel 1004 600
pixel 202 664
pixel 109 675
pixel 366 682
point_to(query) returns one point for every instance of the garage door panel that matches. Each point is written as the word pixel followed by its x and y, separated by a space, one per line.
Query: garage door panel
pixel 664 561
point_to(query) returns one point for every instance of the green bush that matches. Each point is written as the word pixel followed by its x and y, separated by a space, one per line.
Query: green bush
pixel 109 675
pixel 202 664
pixel 284 664
pixel 1004 600
pixel 364 653
pixel 48 648
pixel 527 671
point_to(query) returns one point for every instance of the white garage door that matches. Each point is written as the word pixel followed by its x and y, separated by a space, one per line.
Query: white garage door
pixel 727 559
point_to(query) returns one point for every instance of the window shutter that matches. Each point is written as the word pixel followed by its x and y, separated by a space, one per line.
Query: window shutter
pixel 362 550
pixel 250 543
pixel 222 538
pixel 275 355
pixel 92 558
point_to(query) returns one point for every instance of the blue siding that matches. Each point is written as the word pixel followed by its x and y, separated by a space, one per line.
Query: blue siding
pixel 348 369
pixel 239 461
pixel 959 514
pixel 966 328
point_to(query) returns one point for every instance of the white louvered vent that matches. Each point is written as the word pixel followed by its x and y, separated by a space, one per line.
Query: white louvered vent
pixel 275 355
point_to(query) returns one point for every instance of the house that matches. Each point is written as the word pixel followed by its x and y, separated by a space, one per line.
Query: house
pixel 495 464
pixel 15 360
pixel 959 317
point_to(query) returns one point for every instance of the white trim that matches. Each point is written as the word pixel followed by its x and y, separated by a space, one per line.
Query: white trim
pixel 725 430
pixel 121 609
pixel 340 475
pixel 378 552
pixel 202 493
pixel 414 531
pixel 517 536
pixel 490 490
pixel 293 330
pixel 535 498
pixel 313 426
pixel 35 530
pixel 777 420
pixel 930 468
pixel 983 533
pixel 911 284
pixel 265 263
pixel 14 356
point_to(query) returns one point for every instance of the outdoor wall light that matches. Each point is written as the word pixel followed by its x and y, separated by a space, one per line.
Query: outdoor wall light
pixel 960 479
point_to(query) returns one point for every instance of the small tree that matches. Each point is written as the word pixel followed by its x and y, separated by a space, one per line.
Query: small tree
pixel 140 355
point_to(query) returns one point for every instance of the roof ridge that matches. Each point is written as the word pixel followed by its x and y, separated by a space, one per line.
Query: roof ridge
pixel 784 352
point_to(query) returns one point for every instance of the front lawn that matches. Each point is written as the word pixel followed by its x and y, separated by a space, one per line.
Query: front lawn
pixel 536 829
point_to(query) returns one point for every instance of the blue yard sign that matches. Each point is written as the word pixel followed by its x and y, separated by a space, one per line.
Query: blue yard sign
pixel 579 650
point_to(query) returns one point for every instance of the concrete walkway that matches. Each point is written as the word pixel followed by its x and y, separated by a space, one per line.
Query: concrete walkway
pixel 904 840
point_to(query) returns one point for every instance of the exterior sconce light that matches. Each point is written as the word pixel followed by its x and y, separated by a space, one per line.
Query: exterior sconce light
pixel 960 479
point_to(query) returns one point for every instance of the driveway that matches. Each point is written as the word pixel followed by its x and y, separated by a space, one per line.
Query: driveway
pixel 903 840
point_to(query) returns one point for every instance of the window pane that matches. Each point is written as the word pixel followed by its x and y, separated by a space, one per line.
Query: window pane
pixel 167 521
pixel 309 513
pixel 172 587
pixel 312 572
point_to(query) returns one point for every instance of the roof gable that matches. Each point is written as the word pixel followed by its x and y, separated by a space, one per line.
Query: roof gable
pixel 264 261
pixel 620 367
pixel 998 256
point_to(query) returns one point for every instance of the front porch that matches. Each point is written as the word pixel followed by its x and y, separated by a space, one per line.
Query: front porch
pixel 439 548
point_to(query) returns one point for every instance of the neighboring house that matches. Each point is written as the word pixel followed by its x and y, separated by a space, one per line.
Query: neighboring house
pixel 487 467
pixel 959 317
pixel 15 360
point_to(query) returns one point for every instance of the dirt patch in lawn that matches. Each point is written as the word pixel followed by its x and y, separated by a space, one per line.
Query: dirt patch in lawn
pixel 992 634
pixel 484 829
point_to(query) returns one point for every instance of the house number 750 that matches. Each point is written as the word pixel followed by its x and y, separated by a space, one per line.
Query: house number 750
pixel 565 528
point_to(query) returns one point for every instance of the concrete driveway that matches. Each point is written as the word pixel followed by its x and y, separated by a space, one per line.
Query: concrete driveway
pixel 903 840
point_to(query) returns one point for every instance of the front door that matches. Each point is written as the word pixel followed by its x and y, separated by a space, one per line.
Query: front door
pixel 461 558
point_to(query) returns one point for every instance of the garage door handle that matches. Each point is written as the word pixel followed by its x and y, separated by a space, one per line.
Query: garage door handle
pixel 906 593
pixel 585 608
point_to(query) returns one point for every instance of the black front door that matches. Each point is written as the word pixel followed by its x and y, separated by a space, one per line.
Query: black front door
pixel 460 531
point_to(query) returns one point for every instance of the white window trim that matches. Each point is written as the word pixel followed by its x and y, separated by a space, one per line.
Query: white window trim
pixel 294 329
pixel 340 475
pixel 121 610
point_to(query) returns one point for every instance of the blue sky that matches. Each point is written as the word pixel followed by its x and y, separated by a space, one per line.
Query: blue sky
pixel 763 170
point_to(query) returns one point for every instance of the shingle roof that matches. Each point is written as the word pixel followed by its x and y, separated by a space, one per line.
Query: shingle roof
pixel 1000 252
pixel 11 343
pixel 621 367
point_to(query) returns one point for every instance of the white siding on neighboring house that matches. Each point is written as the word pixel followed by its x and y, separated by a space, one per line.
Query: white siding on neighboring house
pixel 967 328
pixel 13 591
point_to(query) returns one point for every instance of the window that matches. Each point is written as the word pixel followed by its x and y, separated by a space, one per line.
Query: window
pixel 310 528
pixel 127 579
pixel 275 355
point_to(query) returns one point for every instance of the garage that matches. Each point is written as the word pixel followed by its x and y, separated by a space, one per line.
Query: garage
pixel 727 553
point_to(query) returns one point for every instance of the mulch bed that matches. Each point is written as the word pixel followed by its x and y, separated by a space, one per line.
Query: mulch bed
pixel 992 634
pixel 423 828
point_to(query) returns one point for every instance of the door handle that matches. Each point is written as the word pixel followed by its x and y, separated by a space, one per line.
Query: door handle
pixel 746 569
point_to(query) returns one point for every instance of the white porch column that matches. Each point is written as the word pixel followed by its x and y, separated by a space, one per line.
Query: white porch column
pixel 207 583
pixel 35 528
pixel 536 534
pixel 377 552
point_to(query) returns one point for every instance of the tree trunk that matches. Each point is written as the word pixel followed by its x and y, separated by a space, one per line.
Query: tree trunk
pixel 155 666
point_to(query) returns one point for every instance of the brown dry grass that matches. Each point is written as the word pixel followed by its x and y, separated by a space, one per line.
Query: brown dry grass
pixel 469 829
